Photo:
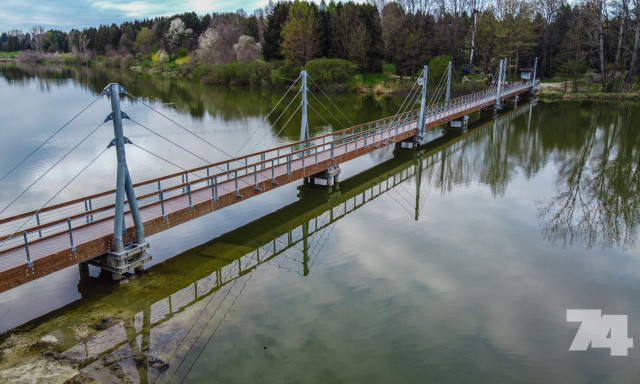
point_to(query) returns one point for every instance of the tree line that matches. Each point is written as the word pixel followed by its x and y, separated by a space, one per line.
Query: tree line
pixel 570 39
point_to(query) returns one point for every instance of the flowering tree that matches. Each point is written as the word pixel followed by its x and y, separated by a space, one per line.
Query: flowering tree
pixel 247 50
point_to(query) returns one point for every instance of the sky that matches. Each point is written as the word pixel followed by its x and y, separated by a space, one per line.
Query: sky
pixel 79 14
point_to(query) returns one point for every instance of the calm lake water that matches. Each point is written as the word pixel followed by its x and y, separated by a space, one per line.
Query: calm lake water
pixel 454 264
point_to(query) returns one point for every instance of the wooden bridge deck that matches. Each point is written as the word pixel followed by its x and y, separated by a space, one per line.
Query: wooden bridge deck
pixel 91 230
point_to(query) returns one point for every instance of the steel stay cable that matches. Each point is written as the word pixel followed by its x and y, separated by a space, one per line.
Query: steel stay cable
pixel 280 131
pixel 181 126
pixel 275 122
pixel 322 117
pixel 173 142
pixel 265 119
pixel 50 137
pixel 285 124
pixel 439 89
pixel 402 108
pixel 326 109
pixel 282 98
pixel 53 197
pixel 50 168
pixel 176 165
pixel 186 150
pixel 331 101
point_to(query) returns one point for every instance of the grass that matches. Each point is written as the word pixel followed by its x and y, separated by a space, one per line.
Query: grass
pixel 9 55
pixel 588 95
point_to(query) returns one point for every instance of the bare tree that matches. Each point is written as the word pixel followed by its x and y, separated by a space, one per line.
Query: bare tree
pixel 549 10
pixel 624 14
pixel 595 11
pixel 636 43
pixel 39 36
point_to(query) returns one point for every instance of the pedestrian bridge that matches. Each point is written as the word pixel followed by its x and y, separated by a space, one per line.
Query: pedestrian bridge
pixel 108 230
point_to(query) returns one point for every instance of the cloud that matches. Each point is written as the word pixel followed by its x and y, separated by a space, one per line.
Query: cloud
pixel 22 14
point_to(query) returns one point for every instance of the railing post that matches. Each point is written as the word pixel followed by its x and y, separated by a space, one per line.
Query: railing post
pixel 214 188
pixel 38 222
pixel 255 178
pixel 26 248
pixel 164 216
pixel 273 174
pixel 238 195
pixel 332 143
pixel 189 192
pixel 73 248
pixel 262 158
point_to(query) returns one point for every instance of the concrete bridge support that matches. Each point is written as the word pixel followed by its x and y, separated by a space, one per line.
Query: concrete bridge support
pixel 329 177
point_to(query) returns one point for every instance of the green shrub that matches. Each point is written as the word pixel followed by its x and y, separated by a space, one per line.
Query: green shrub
pixel 388 69
pixel 438 66
pixel 128 61
pixel 236 73
pixel 331 71
pixel 182 52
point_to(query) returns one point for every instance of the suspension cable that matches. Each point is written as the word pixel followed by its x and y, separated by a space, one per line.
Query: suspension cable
pixel 181 126
pixel 50 168
pixel 326 109
pixel 49 138
pixel 281 129
pixel 274 123
pixel 174 164
pixel 53 197
pixel 339 110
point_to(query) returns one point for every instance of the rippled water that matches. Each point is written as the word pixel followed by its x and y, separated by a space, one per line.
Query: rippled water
pixel 454 264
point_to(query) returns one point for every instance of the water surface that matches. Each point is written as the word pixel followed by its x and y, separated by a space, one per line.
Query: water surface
pixel 453 264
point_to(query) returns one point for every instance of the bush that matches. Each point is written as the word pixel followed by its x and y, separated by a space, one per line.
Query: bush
pixel 256 73
pixel 182 52
pixel 438 66
pixel 331 71
pixel 128 61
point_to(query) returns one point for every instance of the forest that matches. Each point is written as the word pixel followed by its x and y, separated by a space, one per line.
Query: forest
pixel 597 39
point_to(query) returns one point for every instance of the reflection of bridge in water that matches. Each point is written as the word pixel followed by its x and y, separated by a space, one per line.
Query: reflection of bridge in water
pixel 303 226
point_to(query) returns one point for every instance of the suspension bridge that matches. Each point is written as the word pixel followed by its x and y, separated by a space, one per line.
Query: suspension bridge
pixel 108 229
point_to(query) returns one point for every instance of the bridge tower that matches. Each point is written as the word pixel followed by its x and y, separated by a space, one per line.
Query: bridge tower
pixel 418 139
pixel 533 81
pixel 448 95
pixel 123 258
pixel 497 105
pixel 304 125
